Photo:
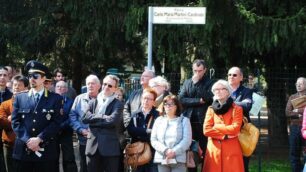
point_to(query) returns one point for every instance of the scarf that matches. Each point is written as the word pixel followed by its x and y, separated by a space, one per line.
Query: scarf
pixel 222 109
pixel 103 102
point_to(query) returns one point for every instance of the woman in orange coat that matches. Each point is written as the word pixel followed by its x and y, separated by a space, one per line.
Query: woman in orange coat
pixel 222 125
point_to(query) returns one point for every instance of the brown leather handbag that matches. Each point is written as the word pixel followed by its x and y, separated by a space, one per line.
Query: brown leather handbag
pixel 138 153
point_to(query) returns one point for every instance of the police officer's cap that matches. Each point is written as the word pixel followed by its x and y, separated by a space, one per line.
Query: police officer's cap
pixel 34 66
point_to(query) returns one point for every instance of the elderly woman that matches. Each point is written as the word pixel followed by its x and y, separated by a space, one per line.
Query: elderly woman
pixel 162 87
pixel 222 125
pixel 171 137
pixel 141 124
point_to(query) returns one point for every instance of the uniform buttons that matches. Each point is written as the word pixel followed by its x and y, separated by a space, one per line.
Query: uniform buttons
pixel 33 129
pixel 34 120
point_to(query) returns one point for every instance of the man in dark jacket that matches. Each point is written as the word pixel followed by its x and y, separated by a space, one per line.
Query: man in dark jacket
pixel 195 97
pixel 103 146
pixel 65 140
pixel 242 96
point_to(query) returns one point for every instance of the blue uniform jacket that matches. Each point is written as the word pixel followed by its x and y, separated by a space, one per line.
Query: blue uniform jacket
pixel 42 120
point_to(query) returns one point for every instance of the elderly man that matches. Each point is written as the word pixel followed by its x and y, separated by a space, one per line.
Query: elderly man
pixel 134 101
pixel 59 76
pixel 65 142
pixel 36 122
pixel 295 117
pixel 195 97
pixel 80 106
pixel 5 94
pixel 20 84
pixel 103 147
pixel 242 96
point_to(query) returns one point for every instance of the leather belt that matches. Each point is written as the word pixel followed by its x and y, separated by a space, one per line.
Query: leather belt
pixel 296 122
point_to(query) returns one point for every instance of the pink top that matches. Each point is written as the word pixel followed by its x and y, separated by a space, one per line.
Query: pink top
pixel 304 124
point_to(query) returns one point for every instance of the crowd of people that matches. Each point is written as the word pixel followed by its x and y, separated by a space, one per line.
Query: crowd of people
pixel 39 118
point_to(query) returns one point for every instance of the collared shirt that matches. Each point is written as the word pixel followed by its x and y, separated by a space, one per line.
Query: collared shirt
pixel 32 92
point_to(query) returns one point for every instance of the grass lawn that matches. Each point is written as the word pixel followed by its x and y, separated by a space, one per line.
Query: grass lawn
pixel 271 166
pixel 271 163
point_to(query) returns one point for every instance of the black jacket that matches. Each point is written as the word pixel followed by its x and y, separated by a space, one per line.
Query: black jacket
pixel 243 97
pixel 190 96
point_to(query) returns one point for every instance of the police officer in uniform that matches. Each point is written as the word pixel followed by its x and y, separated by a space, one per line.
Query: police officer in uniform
pixel 36 121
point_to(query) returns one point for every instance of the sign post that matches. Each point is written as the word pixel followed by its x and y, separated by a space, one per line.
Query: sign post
pixel 172 15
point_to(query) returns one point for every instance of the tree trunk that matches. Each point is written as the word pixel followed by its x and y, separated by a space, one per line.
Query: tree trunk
pixel 77 71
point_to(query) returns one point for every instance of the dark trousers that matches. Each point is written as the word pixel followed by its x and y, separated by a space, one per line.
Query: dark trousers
pixel 295 143
pixel 246 163
pixel 150 167
pixel 65 145
pixel 197 134
pixel 98 163
pixel 37 166
pixel 8 159
pixel 83 165
pixel 2 163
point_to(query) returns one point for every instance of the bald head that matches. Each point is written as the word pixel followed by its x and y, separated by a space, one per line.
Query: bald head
pixel 145 77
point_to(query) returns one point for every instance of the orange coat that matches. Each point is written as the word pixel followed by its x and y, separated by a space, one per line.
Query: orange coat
pixel 6 109
pixel 223 155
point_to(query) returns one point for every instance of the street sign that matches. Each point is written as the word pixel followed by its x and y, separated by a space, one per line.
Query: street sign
pixel 172 15
pixel 179 15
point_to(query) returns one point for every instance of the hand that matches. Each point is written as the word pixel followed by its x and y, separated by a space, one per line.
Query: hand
pixel 195 78
pixel 232 136
pixel 148 130
pixel 33 143
pixel 170 154
pixel 84 132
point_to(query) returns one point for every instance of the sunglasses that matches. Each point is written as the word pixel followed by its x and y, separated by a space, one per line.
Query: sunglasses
pixel 108 85
pixel 34 75
pixel 234 75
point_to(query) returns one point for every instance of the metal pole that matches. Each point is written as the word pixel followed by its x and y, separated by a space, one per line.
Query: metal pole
pixel 150 35
pixel 259 126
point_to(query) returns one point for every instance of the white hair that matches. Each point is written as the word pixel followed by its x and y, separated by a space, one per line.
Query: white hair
pixel 92 77
pixel 159 80
pixel 225 84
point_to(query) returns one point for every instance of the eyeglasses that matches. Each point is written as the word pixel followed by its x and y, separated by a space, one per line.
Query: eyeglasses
pixel 234 75
pixel 169 104
pixel 219 89
pixel 147 98
pixel 108 85
pixel 34 75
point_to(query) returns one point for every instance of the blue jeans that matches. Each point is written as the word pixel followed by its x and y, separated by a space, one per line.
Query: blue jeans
pixel 296 144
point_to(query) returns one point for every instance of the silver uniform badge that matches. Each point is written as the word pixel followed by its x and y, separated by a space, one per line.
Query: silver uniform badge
pixel 48 116
pixel 32 64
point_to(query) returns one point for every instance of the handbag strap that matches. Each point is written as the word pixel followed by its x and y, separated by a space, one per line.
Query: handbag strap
pixel 150 121
pixel 244 119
